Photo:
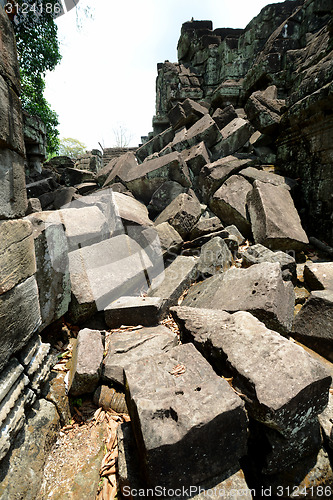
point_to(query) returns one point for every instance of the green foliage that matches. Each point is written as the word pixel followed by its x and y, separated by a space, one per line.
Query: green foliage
pixel 38 52
pixel 71 147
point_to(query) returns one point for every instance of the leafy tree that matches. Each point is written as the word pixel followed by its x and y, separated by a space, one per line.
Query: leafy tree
pixel 38 52
pixel 71 147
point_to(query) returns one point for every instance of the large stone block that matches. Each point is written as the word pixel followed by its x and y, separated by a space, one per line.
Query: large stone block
pixel 206 226
pixel 52 275
pixel 13 195
pixel 147 177
pixel 170 239
pixel 213 175
pixel 234 136
pixel 259 290
pixel 255 254
pixel 73 176
pixel 86 367
pixel 319 275
pixel 146 311
pixel 19 317
pixel 118 169
pixel 124 349
pixel 282 385
pixel 8 56
pixel 264 110
pixel 164 195
pixel 224 116
pixel 182 410
pixel 17 253
pixel 254 174
pixel 130 210
pixel 266 204
pixel 215 257
pixel 313 325
pixel 103 272
pixel 196 157
pixel 204 130
pixel 182 213
pixel 229 203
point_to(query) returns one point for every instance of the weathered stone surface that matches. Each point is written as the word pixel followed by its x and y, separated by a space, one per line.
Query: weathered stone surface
pixel 33 206
pixel 264 110
pixel 21 471
pixel 83 226
pixel 103 272
pixel 19 317
pixel 283 387
pixel 325 420
pixel 266 203
pixel 213 175
pixel 118 169
pixel 319 275
pixel 164 195
pixel 170 239
pixel 52 275
pixel 130 210
pixel 86 187
pixel 196 157
pixel 73 176
pixel 254 174
pixel 127 348
pixel 256 254
pixel 234 137
pixel 87 360
pixel 204 130
pixel 205 226
pixel 215 257
pixel 147 177
pixel 182 213
pixel 17 253
pixel 11 121
pixel 128 461
pixel 155 143
pixel 13 195
pixel 195 413
pixel 186 113
pixel 40 187
pixel 55 392
pixel 176 278
pixel 259 290
pixel 313 325
pixel 144 311
pixel 63 196
pixel 224 116
pixel 229 203
pixel 8 57
pixel 274 453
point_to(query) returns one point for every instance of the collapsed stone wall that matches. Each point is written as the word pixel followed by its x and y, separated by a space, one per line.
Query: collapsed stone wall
pixel 289 45
pixel 24 359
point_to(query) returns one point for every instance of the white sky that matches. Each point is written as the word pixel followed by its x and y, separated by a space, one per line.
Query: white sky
pixel 107 74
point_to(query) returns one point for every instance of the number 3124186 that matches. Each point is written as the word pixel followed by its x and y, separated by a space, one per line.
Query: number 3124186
pixel 37 8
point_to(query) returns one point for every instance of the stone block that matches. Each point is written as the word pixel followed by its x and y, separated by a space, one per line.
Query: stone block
pixel 83 226
pixel 319 275
pixel 313 325
pixel 224 116
pixel 229 203
pixel 256 254
pixel 108 398
pixel 254 174
pixel 181 409
pixel 264 111
pixel 12 397
pixel 103 272
pixel 17 253
pixel 19 317
pixel 53 279
pixel 127 348
pixel 186 113
pixel 150 175
pixel 13 195
pixel 215 257
pixel 164 195
pixel 33 206
pixel 63 196
pixel 22 471
pixel 282 385
pixel 326 422
pixel 170 239
pixel 118 169
pixel 55 392
pixel 86 187
pixel 144 311
pixel 259 290
pixel 73 176
pixel 130 210
pixel 38 188
pixel 205 226
pixel 182 213
pixel 176 279
pixel 234 136
pixel 196 157
pixel 8 57
pixel 11 121
pixel 86 367
pixel 204 130
pixel 266 203
pixel 155 144
pixel 213 175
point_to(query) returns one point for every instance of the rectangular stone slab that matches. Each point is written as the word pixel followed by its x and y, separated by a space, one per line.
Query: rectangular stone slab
pixel 189 425
pixel 144 311
pixel 283 386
